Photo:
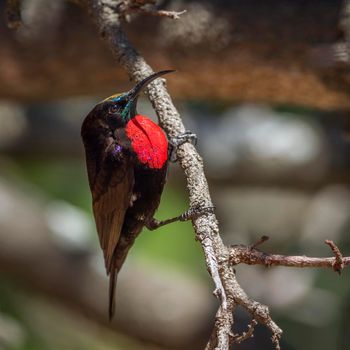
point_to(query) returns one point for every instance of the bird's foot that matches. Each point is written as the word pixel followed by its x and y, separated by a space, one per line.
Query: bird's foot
pixel 179 140
pixel 194 213
pixel 187 136
pixel 190 214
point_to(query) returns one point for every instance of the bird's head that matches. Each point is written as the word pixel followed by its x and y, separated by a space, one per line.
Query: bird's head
pixel 117 110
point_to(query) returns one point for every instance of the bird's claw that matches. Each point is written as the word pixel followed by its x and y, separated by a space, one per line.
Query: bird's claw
pixel 194 213
pixel 179 140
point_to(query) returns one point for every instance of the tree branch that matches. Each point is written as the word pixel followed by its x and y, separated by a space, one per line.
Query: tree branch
pixel 227 289
pixel 241 254
pixel 126 7
pixel 148 7
pixel 162 13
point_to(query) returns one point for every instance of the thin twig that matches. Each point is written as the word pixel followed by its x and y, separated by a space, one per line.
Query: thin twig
pixel 338 263
pixel 126 7
pixel 260 241
pixel 161 13
pixel 249 333
pixel 241 254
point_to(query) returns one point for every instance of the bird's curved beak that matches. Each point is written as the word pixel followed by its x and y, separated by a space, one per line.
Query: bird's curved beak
pixel 134 93
pixel 136 90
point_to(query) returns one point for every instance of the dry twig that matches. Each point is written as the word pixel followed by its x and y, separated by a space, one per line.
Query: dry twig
pixel 338 263
pixel 241 254
pixel 126 7
pixel 161 13
pixel 246 335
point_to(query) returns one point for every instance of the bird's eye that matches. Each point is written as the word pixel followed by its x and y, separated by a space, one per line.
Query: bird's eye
pixel 113 109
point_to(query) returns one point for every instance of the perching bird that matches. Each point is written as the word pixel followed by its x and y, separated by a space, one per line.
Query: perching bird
pixel 127 159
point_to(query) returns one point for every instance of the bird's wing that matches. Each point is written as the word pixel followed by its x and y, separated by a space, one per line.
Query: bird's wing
pixel 111 182
pixel 142 210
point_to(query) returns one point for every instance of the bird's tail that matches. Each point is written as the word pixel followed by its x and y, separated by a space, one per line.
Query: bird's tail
pixel 112 285
pixel 119 256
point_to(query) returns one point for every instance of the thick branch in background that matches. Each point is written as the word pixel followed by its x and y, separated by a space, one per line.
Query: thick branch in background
pixel 264 48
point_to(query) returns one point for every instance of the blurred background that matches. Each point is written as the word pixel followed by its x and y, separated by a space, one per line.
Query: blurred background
pixel 265 85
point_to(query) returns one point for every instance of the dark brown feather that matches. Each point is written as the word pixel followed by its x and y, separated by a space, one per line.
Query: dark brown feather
pixel 112 190
pixel 148 188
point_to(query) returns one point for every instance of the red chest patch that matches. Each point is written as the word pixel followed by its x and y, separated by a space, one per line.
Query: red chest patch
pixel 148 141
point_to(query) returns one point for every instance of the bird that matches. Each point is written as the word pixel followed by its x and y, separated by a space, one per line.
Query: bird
pixel 127 157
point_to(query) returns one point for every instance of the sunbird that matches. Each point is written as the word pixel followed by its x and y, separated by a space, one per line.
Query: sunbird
pixel 127 156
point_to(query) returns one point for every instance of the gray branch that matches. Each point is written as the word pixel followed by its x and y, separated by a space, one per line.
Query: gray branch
pixel 241 254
